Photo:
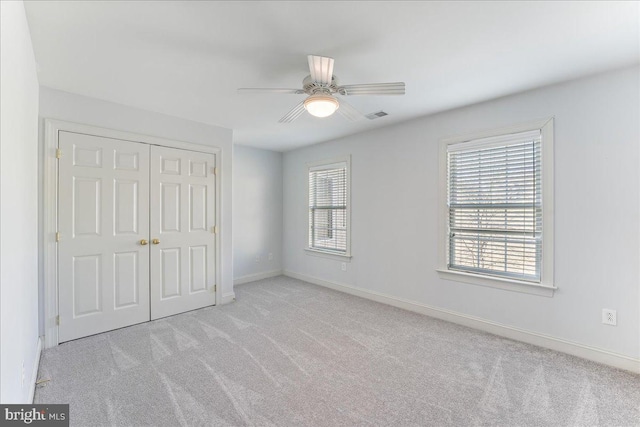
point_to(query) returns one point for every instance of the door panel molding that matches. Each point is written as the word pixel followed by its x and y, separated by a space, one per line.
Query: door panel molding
pixel 121 161
pixel 87 298
pixel 125 295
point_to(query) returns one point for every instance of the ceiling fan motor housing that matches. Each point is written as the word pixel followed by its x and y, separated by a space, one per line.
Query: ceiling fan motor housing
pixel 312 87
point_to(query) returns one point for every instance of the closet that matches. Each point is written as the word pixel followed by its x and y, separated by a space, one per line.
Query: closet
pixel 136 233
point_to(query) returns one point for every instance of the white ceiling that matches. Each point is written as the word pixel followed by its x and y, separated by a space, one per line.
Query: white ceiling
pixel 187 58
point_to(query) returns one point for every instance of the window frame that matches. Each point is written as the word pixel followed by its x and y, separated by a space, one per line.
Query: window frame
pixel 327 164
pixel 546 286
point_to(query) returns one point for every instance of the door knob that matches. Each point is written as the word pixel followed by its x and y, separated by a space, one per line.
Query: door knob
pixel 155 241
pixel 143 242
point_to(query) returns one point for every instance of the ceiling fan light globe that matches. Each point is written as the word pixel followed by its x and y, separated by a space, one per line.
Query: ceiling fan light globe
pixel 321 105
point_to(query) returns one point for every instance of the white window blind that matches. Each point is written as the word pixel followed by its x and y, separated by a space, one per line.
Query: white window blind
pixel 495 206
pixel 328 208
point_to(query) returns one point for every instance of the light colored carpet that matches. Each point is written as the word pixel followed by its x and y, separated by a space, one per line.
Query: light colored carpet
pixel 289 353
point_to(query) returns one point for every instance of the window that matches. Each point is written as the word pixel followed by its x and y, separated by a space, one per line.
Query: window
pixel 329 207
pixel 496 205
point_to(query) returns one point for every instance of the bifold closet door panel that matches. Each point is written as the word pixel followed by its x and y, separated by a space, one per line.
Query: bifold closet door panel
pixel 182 219
pixel 103 221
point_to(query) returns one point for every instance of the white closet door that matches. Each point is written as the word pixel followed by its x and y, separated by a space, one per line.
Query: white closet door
pixel 103 217
pixel 182 217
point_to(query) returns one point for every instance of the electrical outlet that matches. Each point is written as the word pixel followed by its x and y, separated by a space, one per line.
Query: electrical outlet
pixel 609 317
pixel 270 256
pixel 344 266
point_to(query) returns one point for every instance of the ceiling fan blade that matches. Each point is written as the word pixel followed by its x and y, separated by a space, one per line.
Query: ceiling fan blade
pixel 373 89
pixel 269 90
pixel 348 111
pixel 321 69
pixel 293 114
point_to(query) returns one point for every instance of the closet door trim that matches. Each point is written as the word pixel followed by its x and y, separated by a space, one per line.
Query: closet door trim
pixel 49 197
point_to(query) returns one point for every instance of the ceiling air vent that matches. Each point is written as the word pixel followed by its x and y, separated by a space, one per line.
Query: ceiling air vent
pixel 377 115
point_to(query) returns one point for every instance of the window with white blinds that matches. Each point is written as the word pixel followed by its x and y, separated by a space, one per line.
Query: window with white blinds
pixel 495 212
pixel 328 208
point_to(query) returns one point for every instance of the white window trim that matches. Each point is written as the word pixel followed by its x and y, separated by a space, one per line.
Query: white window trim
pixel 327 254
pixel 329 164
pixel 546 287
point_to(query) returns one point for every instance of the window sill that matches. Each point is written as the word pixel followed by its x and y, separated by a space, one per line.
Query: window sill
pixel 497 282
pixel 330 255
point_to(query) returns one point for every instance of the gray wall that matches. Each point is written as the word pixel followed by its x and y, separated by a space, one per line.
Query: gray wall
pixel 55 104
pixel 395 212
pixel 19 201
pixel 257 212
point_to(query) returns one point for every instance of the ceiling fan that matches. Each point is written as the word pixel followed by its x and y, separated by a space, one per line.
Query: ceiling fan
pixel 322 86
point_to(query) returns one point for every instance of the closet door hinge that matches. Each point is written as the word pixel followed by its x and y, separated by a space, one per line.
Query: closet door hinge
pixel 214 230
pixel 214 171
pixel 57 236
pixel 58 153
pixel 214 289
pixel 57 320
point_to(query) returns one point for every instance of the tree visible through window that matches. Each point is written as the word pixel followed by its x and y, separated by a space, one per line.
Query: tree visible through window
pixel 495 206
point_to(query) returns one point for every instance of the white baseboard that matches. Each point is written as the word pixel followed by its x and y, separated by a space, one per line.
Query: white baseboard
pixel 34 372
pixel 558 344
pixel 228 297
pixel 258 276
